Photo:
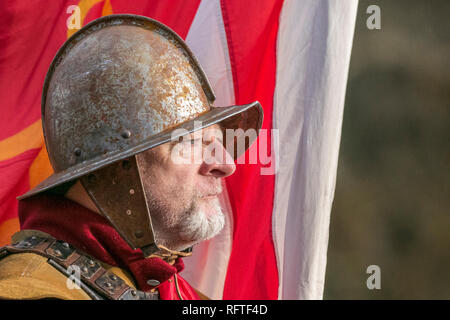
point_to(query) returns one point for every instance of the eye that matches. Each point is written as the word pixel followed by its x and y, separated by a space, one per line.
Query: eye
pixel 192 141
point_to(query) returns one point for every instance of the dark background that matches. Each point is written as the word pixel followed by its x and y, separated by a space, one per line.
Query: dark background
pixel 392 198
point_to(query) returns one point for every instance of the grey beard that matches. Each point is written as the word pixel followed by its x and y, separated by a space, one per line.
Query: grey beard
pixel 196 226
pixel 190 228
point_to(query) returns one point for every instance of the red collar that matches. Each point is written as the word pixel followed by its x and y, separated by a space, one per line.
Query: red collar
pixel 88 231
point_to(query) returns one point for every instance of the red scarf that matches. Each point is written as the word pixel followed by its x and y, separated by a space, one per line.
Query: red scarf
pixel 90 232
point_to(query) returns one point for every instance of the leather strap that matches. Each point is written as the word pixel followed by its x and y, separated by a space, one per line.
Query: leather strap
pixel 95 280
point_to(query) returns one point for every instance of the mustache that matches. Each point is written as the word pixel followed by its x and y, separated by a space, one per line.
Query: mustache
pixel 211 192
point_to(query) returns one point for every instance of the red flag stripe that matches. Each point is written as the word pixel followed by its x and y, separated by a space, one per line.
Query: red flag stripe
pixel 14 177
pixel 28 42
pixel 252 270
pixel 177 14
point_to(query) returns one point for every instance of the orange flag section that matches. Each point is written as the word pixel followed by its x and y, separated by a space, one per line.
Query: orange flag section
pixel 29 138
pixel 85 6
pixel 7 229
pixel 40 169
pixel 107 8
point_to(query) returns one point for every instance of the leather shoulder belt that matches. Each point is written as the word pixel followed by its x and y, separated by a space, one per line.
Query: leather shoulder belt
pixel 95 280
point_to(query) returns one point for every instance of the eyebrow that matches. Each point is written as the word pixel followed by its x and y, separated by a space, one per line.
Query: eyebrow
pixel 189 137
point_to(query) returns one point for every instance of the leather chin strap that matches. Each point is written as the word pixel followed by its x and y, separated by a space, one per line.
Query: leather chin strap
pixel 170 256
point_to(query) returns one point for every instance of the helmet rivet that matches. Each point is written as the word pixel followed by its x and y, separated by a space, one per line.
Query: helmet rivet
pixel 77 152
pixel 139 234
pixel 131 191
pixel 128 212
pixel 126 134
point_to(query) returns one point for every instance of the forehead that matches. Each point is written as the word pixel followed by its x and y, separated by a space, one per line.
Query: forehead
pixel 213 130
pixel 205 133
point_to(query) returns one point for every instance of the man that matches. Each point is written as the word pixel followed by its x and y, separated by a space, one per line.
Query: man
pixel 139 153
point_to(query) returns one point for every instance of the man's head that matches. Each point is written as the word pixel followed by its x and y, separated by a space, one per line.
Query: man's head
pixel 113 98
pixel 182 182
pixel 182 196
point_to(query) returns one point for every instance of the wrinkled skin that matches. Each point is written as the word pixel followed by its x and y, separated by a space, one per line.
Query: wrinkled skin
pixel 182 181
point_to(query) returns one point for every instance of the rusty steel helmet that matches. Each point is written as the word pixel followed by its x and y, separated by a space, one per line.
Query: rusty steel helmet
pixel 119 86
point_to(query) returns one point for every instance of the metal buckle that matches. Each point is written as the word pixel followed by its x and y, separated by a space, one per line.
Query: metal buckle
pixel 28 243
pixel 60 250
pixel 88 267
pixel 110 283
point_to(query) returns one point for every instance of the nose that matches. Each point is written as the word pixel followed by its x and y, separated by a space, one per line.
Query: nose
pixel 217 161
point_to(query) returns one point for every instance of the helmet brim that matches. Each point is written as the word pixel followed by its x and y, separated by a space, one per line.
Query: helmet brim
pixel 248 116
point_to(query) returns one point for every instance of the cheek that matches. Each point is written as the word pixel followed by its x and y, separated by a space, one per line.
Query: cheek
pixel 174 187
pixel 183 175
pixel 170 183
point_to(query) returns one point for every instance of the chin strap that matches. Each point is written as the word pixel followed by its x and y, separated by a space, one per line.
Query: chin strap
pixel 170 256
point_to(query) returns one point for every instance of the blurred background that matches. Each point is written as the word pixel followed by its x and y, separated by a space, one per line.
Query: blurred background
pixel 392 198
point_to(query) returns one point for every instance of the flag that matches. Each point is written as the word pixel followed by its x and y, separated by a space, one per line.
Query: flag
pixel 292 56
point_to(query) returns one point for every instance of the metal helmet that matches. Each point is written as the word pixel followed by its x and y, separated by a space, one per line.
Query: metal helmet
pixel 119 86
